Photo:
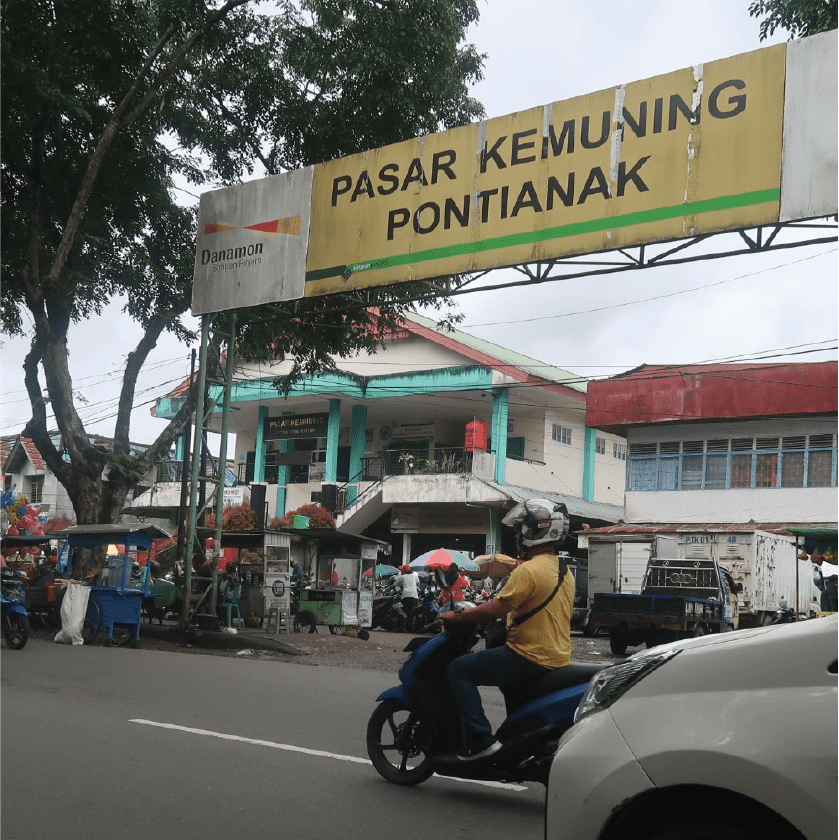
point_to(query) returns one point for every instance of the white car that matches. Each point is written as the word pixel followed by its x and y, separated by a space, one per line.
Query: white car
pixel 725 737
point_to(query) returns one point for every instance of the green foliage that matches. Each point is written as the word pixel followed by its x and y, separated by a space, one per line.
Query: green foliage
pixel 124 469
pixel 798 17
pixel 107 102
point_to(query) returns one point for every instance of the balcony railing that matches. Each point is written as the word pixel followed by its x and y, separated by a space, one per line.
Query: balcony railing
pixel 445 460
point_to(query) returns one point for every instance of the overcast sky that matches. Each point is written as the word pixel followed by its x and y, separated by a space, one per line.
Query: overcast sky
pixel 538 51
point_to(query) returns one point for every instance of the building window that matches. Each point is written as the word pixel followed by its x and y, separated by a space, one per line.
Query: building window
pixel 600 446
pixel 515 448
pixel 619 451
pixel 820 461
pixel 642 467
pixel 716 464
pixel 561 434
pixel 747 463
pixel 793 450
pixel 36 490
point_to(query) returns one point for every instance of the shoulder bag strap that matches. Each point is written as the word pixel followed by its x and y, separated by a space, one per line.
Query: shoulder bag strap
pixel 516 622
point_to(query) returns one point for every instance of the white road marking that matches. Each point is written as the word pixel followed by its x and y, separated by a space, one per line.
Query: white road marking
pixel 319 753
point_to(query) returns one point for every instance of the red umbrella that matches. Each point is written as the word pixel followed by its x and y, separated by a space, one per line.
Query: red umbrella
pixel 443 558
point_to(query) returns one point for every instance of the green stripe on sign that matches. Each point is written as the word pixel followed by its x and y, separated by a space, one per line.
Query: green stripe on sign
pixel 693 208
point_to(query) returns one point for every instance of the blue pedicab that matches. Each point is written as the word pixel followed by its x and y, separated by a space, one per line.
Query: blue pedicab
pixel 116 596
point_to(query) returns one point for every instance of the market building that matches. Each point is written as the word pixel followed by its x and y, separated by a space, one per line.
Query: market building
pixel 423 444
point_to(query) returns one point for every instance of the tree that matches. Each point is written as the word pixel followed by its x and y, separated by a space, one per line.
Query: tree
pixel 798 17
pixel 105 102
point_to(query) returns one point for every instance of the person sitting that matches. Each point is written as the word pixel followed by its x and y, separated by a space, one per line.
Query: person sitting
pixel 455 592
pixel 537 603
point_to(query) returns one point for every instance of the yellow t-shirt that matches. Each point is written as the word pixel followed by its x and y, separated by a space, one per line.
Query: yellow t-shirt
pixel 545 638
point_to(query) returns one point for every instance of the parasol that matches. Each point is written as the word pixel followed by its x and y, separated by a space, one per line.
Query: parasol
pixel 496 565
pixel 382 570
pixel 444 557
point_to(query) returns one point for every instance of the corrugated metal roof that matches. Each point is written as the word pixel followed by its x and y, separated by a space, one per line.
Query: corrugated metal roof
pixel 576 506
pixel 507 357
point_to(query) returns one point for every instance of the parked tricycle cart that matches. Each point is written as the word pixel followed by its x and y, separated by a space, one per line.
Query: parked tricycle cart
pixel 116 596
pixel 342 595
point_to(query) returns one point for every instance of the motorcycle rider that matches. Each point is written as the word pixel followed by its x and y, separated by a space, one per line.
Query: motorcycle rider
pixel 540 593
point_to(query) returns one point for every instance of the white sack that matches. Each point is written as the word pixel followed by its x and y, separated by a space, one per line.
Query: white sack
pixel 73 611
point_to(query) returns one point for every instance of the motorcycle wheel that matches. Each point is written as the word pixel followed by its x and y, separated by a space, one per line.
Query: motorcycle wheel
pixel 418 619
pixel 397 762
pixel 16 630
pixel 304 623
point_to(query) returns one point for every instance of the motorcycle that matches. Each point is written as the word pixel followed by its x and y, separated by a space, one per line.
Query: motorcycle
pixel 425 614
pixel 415 730
pixel 387 610
pixel 12 609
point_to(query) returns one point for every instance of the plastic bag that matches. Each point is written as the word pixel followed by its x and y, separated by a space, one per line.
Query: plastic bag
pixel 73 611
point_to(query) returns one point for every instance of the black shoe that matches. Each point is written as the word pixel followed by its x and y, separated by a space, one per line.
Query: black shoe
pixel 490 746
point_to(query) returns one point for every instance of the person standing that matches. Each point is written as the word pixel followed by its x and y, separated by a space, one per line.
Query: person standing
pixel 537 603
pixel 408 584
pixel 829 600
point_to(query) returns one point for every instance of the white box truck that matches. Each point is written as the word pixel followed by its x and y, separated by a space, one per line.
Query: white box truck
pixel 766 566
pixel 617 565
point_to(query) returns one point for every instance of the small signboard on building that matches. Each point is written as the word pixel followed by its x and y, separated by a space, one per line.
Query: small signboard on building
pixel 296 426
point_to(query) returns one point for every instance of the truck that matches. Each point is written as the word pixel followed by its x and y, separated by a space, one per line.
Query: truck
pixel 616 566
pixel 679 599
pixel 764 563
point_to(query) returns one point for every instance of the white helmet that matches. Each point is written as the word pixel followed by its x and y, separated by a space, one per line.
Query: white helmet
pixel 539 521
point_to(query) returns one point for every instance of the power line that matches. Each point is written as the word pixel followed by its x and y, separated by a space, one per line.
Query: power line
pixel 650 299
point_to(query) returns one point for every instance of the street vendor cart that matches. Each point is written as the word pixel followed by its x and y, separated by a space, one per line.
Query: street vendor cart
pixel 342 593
pixel 120 583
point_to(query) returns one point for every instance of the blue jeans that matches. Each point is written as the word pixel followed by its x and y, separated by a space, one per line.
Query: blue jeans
pixel 496 666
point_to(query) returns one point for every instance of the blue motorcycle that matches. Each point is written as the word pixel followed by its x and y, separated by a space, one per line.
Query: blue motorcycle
pixel 12 610
pixel 415 732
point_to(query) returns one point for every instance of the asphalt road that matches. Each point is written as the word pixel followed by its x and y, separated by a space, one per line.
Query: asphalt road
pixel 113 744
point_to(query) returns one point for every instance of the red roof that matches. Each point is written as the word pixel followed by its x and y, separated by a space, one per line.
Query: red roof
pixel 677 394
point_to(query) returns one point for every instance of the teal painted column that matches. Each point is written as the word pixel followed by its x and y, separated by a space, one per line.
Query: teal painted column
pixel 180 447
pixel 500 407
pixel 589 451
pixel 332 432
pixel 358 442
pixel 283 474
pixel 260 445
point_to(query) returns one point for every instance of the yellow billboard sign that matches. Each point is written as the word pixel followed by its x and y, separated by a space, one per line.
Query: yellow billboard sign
pixel 691 152
pixel 735 143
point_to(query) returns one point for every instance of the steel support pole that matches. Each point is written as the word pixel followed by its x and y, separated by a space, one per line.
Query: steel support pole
pixel 196 466
pixel 222 458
